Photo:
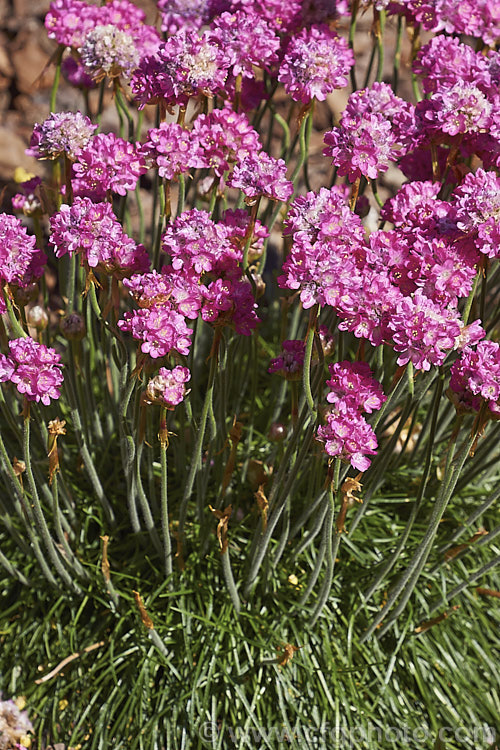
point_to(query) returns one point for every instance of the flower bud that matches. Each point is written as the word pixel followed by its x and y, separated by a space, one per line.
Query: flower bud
pixel 25 295
pixel 37 318
pixel 260 285
pixel 72 326
pixel 277 432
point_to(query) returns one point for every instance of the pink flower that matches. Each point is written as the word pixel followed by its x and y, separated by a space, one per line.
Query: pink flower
pixel 108 163
pixel 317 61
pixel 477 205
pixel 348 436
pixel 172 149
pixel 93 230
pixel 69 21
pixel 262 175
pixel 34 369
pixel 20 260
pixel 246 41
pixel 168 387
pixel 352 385
pixel 290 363
pixel 194 241
pixel 476 375
pixel 223 138
pixel 160 328
pixel 423 331
pixel 186 65
pixel 61 133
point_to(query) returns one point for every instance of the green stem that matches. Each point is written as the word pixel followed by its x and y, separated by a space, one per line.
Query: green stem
pixel 196 459
pixel 407 581
pixel 397 55
pixel 17 328
pixel 167 544
pixel 381 576
pixel 38 512
pixel 306 373
pixel 121 106
pixel 57 78
pixel 229 579
pixel 181 194
pixel 304 137
pixel 332 542
pixel 352 33
pixel 379 30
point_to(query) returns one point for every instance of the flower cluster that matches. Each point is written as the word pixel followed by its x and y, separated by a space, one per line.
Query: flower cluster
pixel 184 14
pixel 262 175
pixel 186 65
pixel 461 112
pixel 204 277
pixel 346 433
pixel 246 41
pixel 168 388
pixel 475 377
pixel 93 230
pixel 14 726
pixel 477 205
pixel 172 150
pixel 108 164
pixel 375 130
pixel 476 18
pixel 70 21
pixel 28 201
pixel 316 62
pixel 35 370
pixel 65 133
pixel 352 384
pixel 328 247
pixel 108 51
pixel 223 138
pixel 20 260
pixel 290 363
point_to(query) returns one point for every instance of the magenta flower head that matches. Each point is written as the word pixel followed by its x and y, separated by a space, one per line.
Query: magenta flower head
pixel 34 368
pixel 346 433
pixel 108 163
pixel 348 436
pixel 282 15
pixel 246 40
pixel 108 51
pixel 93 230
pixel 160 328
pixel 317 61
pixel 224 138
pixel 75 74
pixel 475 377
pixel 477 203
pixel 65 133
pixel 28 201
pixel 168 388
pixel 20 260
pixel 177 15
pixel 290 363
pixel 425 332
pixel 69 20
pixel 262 175
pixel 172 149
pixel 376 128
pixel 186 65
pixel 353 385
